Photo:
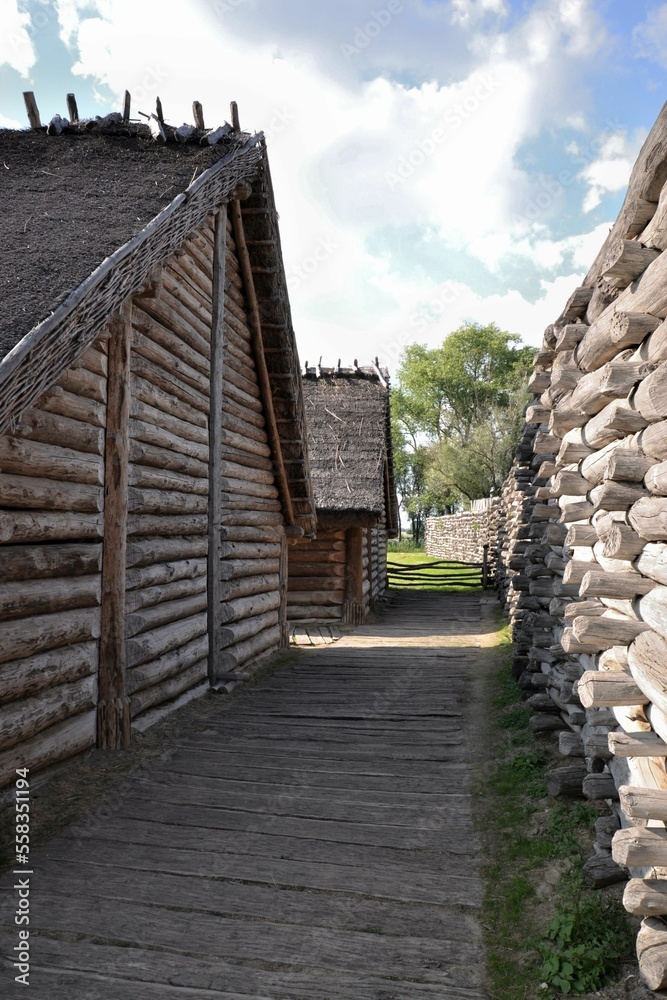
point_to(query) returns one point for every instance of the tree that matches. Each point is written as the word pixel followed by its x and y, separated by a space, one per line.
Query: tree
pixel 458 414
pixel 445 391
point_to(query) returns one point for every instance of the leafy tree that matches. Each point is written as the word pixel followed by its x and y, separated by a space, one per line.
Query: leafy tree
pixel 458 414
pixel 445 391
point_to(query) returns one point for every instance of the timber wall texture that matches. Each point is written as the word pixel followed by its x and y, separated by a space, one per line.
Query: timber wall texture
pixel 52 498
pixel 462 537
pixel 584 546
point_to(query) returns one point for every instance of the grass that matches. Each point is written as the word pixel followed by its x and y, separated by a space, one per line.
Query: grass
pixel 546 933
pixel 435 578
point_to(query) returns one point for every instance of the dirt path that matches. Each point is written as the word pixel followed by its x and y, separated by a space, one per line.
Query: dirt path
pixel 313 840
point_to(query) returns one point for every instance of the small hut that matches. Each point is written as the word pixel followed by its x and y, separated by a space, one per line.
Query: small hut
pixel 153 459
pixel 341 573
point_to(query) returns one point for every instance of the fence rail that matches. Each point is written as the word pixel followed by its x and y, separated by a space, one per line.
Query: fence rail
pixel 452 573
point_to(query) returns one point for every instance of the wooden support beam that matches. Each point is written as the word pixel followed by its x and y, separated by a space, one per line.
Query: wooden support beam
pixel 198 114
pixel 127 100
pixel 113 711
pixel 215 431
pixel 260 360
pixel 353 609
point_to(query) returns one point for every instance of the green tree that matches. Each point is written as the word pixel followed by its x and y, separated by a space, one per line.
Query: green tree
pixel 445 391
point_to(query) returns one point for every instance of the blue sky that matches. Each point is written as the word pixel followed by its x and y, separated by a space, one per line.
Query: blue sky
pixel 434 160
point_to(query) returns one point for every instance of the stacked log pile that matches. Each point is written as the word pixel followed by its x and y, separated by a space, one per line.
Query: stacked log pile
pixel 591 582
pixel 317 571
pixel 462 537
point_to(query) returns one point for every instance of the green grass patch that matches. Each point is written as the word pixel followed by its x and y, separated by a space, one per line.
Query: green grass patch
pixel 542 925
pixel 452 578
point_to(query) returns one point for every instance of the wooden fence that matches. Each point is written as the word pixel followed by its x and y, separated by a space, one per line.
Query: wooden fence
pixel 437 573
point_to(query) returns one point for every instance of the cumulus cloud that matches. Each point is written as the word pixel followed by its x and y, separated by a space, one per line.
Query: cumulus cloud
pixel 16 48
pixel 610 170
pixel 465 12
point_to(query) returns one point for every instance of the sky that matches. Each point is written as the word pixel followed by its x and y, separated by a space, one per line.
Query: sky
pixel 435 162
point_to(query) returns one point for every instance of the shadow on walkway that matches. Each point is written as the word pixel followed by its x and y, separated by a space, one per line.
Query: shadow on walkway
pixel 314 840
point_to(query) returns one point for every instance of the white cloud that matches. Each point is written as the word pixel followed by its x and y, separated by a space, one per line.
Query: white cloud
pixel 649 37
pixel 465 12
pixel 9 122
pixel 610 170
pixel 16 48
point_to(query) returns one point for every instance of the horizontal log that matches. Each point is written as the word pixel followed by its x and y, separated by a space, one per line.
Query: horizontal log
pixel 162 358
pixel 145 392
pixel 646 659
pixel 234 569
pixel 182 429
pixel 146 501
pixel 626 260
pixel 23 598
pixel 580 535
pixel 165 479
pixel 165 550
pixel 567 483
pixel 653 608
pixel 28 637
pixel 21 720
pixel 168 690
pixel 616 496
pixel 165 460
pixel 621 586
pixel 574 508
pixel 602 633
pixel 651 395
pixel 248 488
pixel 639 847
pixel 622 542
pixel 262 643
pixel 49 494
pixel 577 608
pixel 171 341
pixel 646 744
pixel 643 803
pixel 243 443
pixel 310 613
pixel 237 632
pixel 56 743
pixel 67 404
pixel 50 428
pixel 598 388
pixel 646 897
pixel 163 378
pixel 606 688
pixel 29 562
pixel 566 780
pixel 628 465
pixel 27 677
pixel 94 360
pixel 616 420
pixel 655 479
pixel 164 574
pixel 151 645
pixel 597 787
pixel 168 665
pixel 161 438
pixel 653 440
pixel 601 870
pixel 80 382
pixel 147 597
pixel 35 526
pixel 249 585
pixel 165 613
pixel 249 606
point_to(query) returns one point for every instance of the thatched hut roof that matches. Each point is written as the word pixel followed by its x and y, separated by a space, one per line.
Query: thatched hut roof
pixel 87 216
pixel 349 442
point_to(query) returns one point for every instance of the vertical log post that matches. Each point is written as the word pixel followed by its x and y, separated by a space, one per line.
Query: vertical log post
pixel 126 107
pixel 284 576
pixel 214 582
pixel 353 609
pixel 113 711
pixel 32 109
pixel 485 567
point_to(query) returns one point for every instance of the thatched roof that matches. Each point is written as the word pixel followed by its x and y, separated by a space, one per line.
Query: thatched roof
pixel 349 442
pixel 86 218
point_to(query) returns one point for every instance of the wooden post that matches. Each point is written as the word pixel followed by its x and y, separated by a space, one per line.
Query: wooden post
pixel 485 567
pixel 32 109
pixel 234 109
pixel 215 586
pixel 158 110
pixel 113 710
pixel 260 360
pixel 283 584
pixel 198 114
pixel 72 109
pixel 126 106
pixel 353 609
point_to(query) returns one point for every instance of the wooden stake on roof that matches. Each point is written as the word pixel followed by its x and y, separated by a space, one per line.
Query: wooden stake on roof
pixel 32 109
pixel 198 113
pixel 234 109
pixel 126 106
pixel 72 109
pixel 158 110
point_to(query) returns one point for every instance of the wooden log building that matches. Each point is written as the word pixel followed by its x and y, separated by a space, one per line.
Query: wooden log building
pixel 338 575
pixel 584 546
pixel 153 460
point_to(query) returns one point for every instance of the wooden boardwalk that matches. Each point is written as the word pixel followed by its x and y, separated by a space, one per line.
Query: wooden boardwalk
pixel 312 842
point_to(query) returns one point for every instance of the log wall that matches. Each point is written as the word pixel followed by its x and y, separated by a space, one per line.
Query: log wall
pixel 52 526
pixel 462 537
pixel 317 577
pixel 583 544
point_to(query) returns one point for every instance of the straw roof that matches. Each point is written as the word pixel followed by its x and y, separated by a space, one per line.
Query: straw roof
pixel 347 417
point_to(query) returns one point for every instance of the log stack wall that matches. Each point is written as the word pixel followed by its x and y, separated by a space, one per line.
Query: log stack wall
pixel 317 577
pixel 462 537
pixel 51 527
pixel 584 544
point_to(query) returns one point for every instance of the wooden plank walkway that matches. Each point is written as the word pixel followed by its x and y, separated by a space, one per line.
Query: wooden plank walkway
pixel 312 842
